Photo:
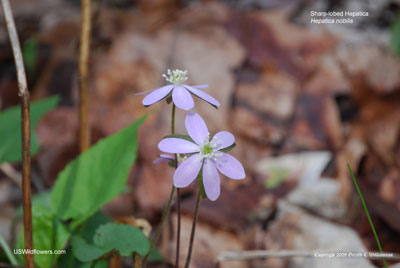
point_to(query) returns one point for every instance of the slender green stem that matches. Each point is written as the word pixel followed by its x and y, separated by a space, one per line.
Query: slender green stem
pixel 159 228
pixel 178 196
pixel 178 228
pixel 7 251
pixel 173 119
pixel 196 212
pixel 366 212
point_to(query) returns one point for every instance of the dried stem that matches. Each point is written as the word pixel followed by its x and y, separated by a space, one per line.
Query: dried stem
pixel 196 212
pixel 26 130
pixel 84 49
pixel 11 173
pixel 115 261
pixel 137 260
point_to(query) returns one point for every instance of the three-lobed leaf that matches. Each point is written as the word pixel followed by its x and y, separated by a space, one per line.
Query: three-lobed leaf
pixel 84 251
pixel 10 131
pixel 96 176
pixel 125 239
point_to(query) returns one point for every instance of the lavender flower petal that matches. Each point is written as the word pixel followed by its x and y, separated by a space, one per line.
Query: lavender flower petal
pixel 223 139
pixel 187 171
pixel 211 181
pixel 182 98
pixel 230 167
pixel 146 92
pixel 157 95
pixel 168 156
pixel 202 95
pixel 200 86
pixel 177 146
pixel 164 158
pixel 196 127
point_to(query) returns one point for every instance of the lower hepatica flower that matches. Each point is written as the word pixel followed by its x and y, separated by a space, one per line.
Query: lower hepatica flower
pixel 207 155
pixel 181 93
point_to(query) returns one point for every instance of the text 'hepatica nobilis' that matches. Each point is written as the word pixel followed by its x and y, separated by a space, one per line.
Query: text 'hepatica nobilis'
pixel 205 154
pixel 181 93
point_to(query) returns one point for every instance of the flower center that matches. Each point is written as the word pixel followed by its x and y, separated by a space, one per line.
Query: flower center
pixel 209 149
pixel 176 77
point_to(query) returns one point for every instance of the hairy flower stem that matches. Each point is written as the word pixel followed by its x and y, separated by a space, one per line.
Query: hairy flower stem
pixel 196 212
pixel 160 226
pixel 84 49
pixel 178 197
pixel 25 129
pixel 178 228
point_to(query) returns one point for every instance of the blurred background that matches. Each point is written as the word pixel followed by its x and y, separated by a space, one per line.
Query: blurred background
pixel 302 100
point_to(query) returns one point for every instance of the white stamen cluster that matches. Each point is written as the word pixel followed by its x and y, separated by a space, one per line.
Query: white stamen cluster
pixel 210 149
pixel 176 77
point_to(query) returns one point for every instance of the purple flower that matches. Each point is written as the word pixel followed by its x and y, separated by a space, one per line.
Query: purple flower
pixel 207 155
pixel 164 158
pixel 181 93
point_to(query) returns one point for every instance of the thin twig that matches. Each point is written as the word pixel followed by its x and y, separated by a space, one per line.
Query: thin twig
pixel 7 251
pixel 84 49
pixel 196 212
pixel 25 129
pixel 11 173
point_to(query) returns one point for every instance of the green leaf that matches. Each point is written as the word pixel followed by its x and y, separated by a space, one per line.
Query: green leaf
pixel 86 252
pixel 90 226
pixel 96 176
pixel 49 234
pixel 155 255
pixel 42 199
pixel 10 131
pixel 124 238
pixel 69 261
pixel 395 36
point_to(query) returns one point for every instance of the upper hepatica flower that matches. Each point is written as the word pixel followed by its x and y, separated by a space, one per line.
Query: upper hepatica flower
pixel 181 93
pixel 207 155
